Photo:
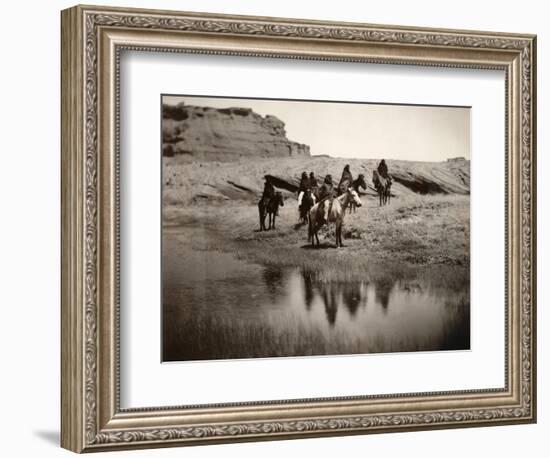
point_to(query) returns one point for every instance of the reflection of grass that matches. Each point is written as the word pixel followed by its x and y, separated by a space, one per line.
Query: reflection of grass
pixel 456 331
pixel 213 337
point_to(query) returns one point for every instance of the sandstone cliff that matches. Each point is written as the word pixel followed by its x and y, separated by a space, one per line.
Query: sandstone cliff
pixel 226 134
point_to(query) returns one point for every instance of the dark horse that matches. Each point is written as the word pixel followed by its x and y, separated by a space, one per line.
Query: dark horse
pixel 308 201
pixel 359 182
pixel 269 206
pixel 383 187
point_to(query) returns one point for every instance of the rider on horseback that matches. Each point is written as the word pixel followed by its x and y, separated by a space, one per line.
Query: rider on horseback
pixel 383 170
pixel 326 192
pixel 346 179
pixel 304 186
pixel 313 181
pixel 269 191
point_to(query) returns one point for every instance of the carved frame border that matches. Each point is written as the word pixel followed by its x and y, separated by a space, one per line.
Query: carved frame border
pixel 91 415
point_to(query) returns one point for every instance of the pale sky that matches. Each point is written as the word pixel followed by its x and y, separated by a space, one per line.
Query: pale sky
pixel 360 130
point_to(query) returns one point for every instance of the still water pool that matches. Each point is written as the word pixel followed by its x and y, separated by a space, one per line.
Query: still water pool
pixel 216 306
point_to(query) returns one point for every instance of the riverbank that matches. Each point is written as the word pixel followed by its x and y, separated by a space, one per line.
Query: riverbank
pixel 413 235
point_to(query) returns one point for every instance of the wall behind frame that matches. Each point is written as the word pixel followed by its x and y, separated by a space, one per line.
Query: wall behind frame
pixel 29 233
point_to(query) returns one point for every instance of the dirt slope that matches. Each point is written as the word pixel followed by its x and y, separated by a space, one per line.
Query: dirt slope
pixel 214 181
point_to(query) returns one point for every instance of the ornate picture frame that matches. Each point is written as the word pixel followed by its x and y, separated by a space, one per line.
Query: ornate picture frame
pixel 92 41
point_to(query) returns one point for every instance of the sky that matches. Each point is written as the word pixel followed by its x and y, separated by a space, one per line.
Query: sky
pixel 362 130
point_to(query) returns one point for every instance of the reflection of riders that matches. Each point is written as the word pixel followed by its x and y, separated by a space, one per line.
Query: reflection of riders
pixel 346 178
pixel 326 192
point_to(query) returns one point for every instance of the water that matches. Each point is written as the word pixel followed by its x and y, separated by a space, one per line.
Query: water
pixel 217 306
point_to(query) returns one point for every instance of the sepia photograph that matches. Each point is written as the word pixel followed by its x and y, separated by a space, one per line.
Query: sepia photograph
pixel 295 228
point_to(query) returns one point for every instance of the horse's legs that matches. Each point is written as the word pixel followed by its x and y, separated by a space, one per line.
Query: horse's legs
pixel 274 216
pixel 262 219
pixel 314 235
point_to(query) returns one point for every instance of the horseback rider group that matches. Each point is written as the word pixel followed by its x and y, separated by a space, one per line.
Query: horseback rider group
pixel 307 182
pixel 326 192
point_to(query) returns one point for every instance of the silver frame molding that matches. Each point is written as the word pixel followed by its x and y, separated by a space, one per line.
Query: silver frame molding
pixel 92 40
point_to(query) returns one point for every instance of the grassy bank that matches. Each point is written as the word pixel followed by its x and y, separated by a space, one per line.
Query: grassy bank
pixel 414 235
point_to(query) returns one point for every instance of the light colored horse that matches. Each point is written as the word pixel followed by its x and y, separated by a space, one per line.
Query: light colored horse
pixel 306 201
pixel 336 215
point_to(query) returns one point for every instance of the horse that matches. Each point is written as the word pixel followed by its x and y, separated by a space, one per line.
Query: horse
pixel 359 182
pixel 336 215
pixel 383 187
pixel 269 206
pixel 306 202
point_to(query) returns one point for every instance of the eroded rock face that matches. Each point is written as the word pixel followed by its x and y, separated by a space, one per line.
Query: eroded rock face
pixel 226 134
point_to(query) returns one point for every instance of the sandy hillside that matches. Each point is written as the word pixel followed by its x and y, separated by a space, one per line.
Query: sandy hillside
pixel 212 181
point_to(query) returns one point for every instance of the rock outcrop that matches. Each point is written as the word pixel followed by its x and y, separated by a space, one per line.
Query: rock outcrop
pixel 224 134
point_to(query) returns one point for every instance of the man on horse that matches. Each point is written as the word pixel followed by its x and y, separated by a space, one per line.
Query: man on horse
pixel 382 182
pixel 326 193
pixel 269 191
pixel 383 170
pixel 346 180
pixel 304 186
pixel 313 181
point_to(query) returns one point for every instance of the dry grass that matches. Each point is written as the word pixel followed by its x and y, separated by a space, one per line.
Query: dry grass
pixel 414 235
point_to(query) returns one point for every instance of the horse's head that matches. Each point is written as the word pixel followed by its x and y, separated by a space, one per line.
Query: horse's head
pixel 279 198
pixel 354 197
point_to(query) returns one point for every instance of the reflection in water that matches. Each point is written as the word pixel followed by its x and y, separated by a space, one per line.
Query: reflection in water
pixel 383 290
pixel 308 291
pixel 273 279
pixel 329 292
pixel 353 297
pixel 333 295
pixel 217 306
